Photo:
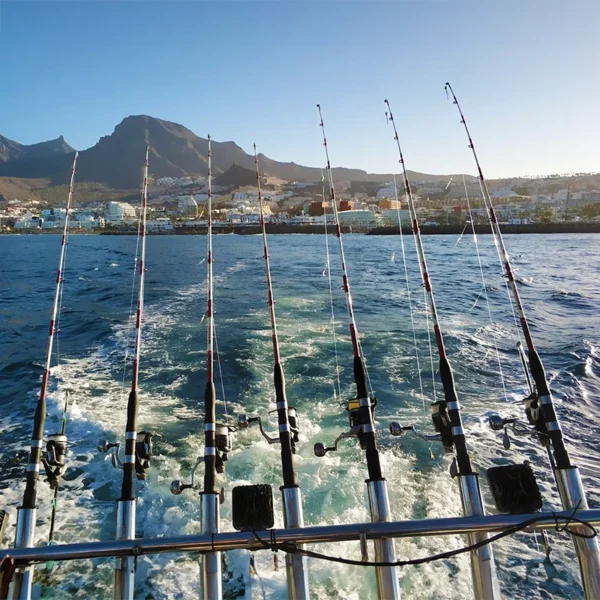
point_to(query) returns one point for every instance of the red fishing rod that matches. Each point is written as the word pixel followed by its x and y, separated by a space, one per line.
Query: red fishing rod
pixel 27 513
pixel 548 422
pixel 213 460
pixel 539 406
pixel 446 414
pixel 138 445
pixel 361 411
pixel 297 574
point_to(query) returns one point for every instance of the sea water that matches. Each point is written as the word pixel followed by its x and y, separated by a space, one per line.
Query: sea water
pixel 559 279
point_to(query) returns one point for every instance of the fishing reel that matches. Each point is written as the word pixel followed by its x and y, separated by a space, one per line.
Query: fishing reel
pixel 397 430
pixel 441 424
pixel 55 458
pixel 223 446
pixel 244 421
pixel 355 418
pixel 104 446
pixel 143 452
pixel 177 486
pixel 498 423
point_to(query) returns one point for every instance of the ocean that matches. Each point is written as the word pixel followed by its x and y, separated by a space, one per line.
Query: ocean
pixel 559 279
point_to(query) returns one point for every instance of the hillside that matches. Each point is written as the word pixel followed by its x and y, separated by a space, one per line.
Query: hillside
pixel 11 150
pixel 175 151
pixel 236 176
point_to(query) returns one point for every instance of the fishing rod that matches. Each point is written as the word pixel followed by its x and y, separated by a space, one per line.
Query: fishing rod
pixel 297 575
pixel 56 447
pixel 446 416
pixel 539 406
pixel 211 562
pixel 138 445
pixel 361 415
pixel 217 436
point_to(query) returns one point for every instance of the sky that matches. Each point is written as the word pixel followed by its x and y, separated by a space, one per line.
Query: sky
pixel 526 72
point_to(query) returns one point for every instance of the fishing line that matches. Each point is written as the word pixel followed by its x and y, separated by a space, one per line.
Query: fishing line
pixel 337 392
pixel 359 368
pixel 410 307
pixel 484 291
pixel 220 371
pixel 543 414
pixel 130 329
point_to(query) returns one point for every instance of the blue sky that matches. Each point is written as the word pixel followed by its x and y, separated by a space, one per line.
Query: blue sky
pixel 526 72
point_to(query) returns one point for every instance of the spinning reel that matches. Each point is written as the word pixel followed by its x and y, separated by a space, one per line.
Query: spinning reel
pixel 356 426
pixel 244 422
pixel 441 424
pixel 223 446
pixel 143 452
pixel 55 458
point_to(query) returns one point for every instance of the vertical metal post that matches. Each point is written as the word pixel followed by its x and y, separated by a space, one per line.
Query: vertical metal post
pixel 210 562
pixel 385 551
pixel 124 583
pixel 572 495
pixel 23 578
pixel 295 564
pixel 485 581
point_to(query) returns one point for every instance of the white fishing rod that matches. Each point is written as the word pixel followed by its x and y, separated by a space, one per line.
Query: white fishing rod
pixel 539 406
pixel 138 445
pixel 56 448
pixel 362 425
pixel 447 418
pixel 297 573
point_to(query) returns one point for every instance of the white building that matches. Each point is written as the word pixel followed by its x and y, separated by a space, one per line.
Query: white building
pixel 54 214
pixel 29 223
pixel 357 217
pixel 162 225
pixel 389 217
pixel 187 206
pixel 119 212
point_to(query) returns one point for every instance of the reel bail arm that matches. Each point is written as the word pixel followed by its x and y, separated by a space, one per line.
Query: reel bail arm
pixel 357 425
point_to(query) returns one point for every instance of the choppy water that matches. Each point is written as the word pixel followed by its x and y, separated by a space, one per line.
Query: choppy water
pixel 560 285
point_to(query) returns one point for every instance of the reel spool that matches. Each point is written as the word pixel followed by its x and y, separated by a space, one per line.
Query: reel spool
pixel 441 423
pixel 55 459
pixel 355 418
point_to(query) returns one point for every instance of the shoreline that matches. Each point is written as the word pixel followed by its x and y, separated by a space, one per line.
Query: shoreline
pixel 276 229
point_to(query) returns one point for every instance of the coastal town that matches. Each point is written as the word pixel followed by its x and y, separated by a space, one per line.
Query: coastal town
pixel 177 205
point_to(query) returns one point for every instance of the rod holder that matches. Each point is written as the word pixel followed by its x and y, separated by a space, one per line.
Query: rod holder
pixel 483 568
pixel 22 582
pixel 385 551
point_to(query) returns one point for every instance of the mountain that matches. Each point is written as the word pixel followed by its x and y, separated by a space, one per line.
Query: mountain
pixel 11 150
pixel 236 176
pixel 175 151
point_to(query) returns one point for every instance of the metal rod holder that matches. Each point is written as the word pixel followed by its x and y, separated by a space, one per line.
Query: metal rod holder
pixel 210 562
pixel 485 580
pixel 385 551
pixel 295 564
pixel 23 578
pixel 124 583
pixel 572 495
